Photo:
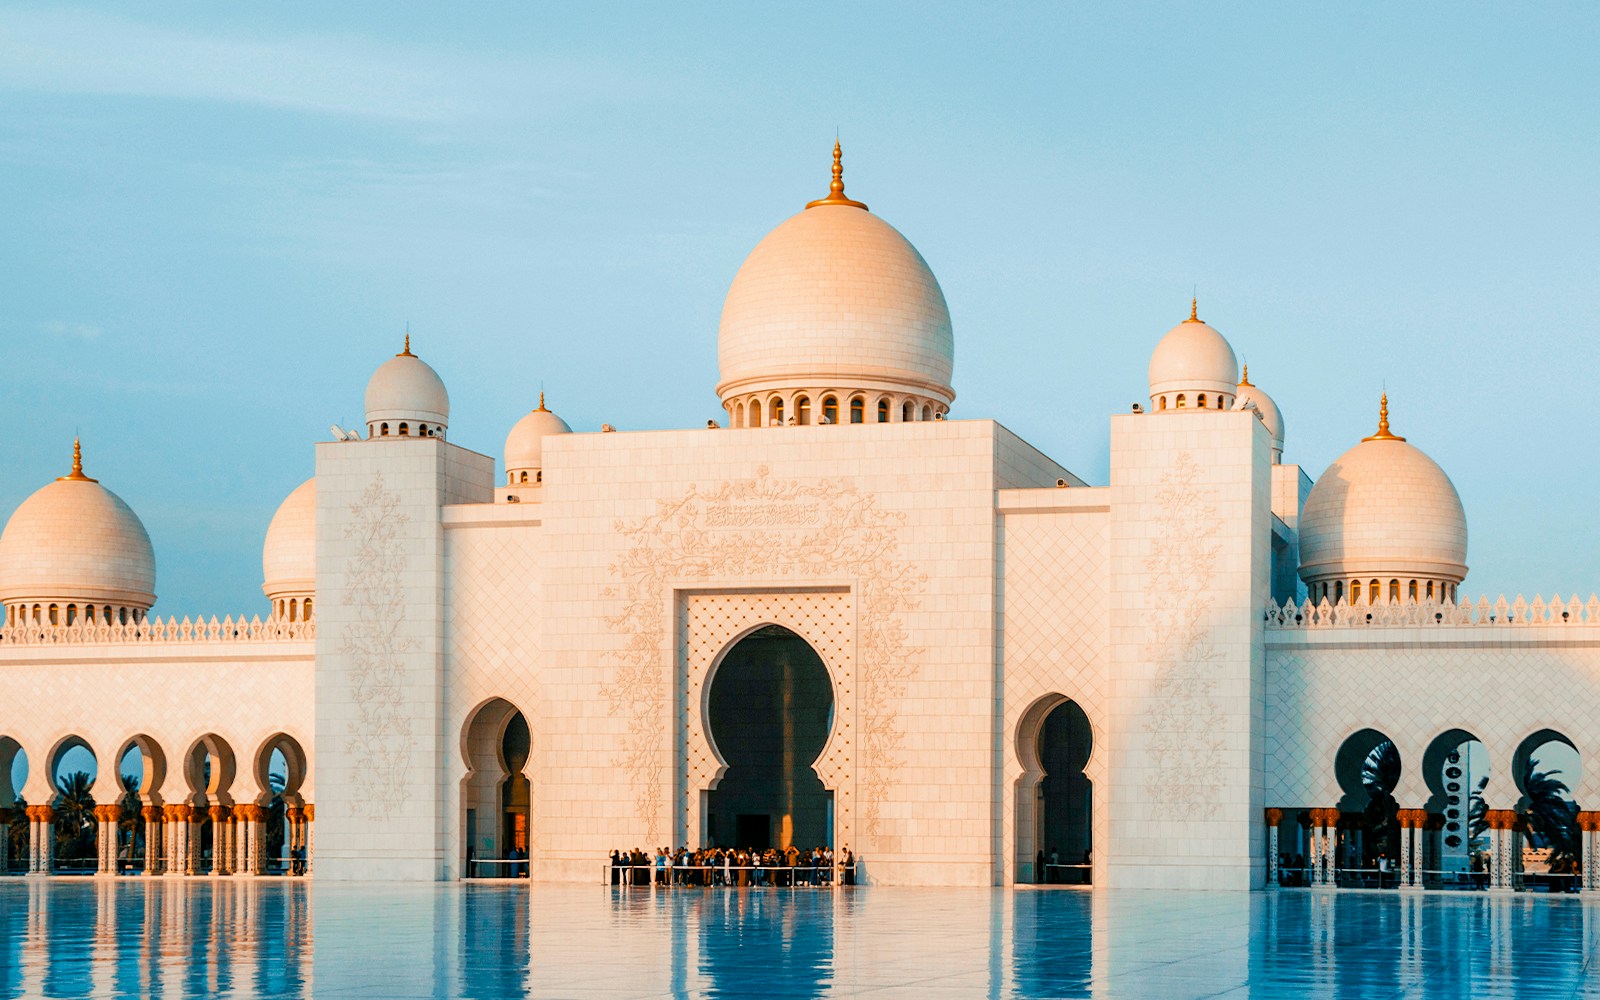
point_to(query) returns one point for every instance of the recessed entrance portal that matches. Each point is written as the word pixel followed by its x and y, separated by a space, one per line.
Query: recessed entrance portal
pixel 1055 799
pixel 770 711
pixel 494 793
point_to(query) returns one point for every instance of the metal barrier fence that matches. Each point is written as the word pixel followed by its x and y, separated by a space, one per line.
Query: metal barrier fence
pixel 706 876
pixel 1427 878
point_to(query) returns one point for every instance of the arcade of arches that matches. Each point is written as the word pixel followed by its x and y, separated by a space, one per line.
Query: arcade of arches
pixel 1480 823
pixel 141 811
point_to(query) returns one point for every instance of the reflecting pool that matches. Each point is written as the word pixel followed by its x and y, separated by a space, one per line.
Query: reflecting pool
pixel 281 938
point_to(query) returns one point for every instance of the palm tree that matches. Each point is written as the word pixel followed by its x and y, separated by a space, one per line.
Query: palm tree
pixel 276 809
pixel 129 827
pixel 74 816
pixel 1552 817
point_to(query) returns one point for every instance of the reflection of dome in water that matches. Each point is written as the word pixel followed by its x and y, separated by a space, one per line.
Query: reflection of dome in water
pixel 1383 511
pixel 74 542
pixel 835 299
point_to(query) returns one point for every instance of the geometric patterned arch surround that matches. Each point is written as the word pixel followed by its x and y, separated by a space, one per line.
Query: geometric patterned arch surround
pixel 710 625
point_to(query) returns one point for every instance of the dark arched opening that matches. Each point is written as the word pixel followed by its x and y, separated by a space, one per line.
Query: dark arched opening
pixel 770 710
pixel 495 792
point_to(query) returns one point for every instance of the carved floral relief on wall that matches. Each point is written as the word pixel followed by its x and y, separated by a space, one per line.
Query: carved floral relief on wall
pixel 776 531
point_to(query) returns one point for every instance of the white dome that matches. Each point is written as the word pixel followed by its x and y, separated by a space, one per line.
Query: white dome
pixel 1193 358
pixel 1383 511
pixel 405 388
pixel 289 556
pixel 525 443
pixel 1271 417
pixel 835 297
pixel 75 540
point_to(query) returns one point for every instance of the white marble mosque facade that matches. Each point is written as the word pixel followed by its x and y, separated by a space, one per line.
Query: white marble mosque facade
pixel 957 584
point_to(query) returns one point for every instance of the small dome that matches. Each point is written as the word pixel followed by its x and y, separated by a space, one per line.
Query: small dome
pixel 1385 511
pixel 289 556
pixel 74 540
pixel 835 298
pixel 525 443
pixel 406 390
pixel 1271 417
pixel 1192 358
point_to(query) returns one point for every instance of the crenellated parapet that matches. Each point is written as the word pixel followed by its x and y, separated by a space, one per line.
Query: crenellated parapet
pixel 1413 614
pixel 160 630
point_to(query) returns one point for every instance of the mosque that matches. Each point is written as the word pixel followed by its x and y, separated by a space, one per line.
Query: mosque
pixel 842 615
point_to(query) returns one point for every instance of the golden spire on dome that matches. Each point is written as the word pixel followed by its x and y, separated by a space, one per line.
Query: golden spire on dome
pixel 1244 377
pixel 836 189
pixel 1383 423
pixel 1194 311
pixel 541 408
pixel 407 352
pixel 76 475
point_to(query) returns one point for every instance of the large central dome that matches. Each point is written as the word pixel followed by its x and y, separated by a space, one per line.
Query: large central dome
pixel 835 304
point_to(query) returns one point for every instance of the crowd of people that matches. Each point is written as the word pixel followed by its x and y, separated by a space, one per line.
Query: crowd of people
pixel 713 866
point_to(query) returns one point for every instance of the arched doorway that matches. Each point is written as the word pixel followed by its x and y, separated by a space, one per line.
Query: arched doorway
pixel 1055 799
pixel 74 768
pixel 1368 846
pixel 1455 845
pixel 13 820
pixel 1546 767
pixel 769 712
pixel 280 769
pixel 495 797
pixel 209 768
pixel 141 768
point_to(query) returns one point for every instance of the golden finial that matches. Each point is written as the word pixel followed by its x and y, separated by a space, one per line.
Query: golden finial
pixel 407 352
pixel 1383 423
pixel 1244 377
pixel 541 408
pixel 836 189
pixel 76 475
pixel 1194 311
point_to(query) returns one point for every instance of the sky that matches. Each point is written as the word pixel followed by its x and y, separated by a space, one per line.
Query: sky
pixel 220 219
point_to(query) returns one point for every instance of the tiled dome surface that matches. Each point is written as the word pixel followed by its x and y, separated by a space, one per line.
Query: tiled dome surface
pixel 289 556
pixel 835 295
pixel 1383 509
pixel 75 539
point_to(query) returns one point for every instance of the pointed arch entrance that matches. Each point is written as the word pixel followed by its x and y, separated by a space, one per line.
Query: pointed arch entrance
pixel 769 713
pixel 495 793
pixel 1055 798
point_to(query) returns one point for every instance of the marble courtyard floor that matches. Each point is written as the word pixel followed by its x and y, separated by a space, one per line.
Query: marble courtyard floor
pixel 277 938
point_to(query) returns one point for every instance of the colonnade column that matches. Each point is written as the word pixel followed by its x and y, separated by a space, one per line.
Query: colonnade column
pixel 41 837
pixel 1274 819
pixel 311 839
pixel 106 818
pixel 5 841
pixel 221 840
pixel 1323 821
pixel 247 861
pixel 1589 848
pixel 1501 822
pixel 181 818
pixel 297 834
pixel 1411 821
pixel 152 839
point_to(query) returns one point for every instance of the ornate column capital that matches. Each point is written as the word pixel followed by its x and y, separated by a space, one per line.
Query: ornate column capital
pixel 181 812
pixel 41 814
pixel 109 813
pixel 219 813
pixel 311 812
pixel 294 813
pixel 1413 819
pixel 1501 819
pixel 1274 816
pixel 151 814
pixel 1589 820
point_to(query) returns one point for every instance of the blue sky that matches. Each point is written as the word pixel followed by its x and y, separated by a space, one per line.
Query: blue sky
pixel 219 219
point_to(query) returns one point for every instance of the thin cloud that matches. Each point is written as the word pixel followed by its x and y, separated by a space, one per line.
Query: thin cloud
pixel 72 331
pixel 94 53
